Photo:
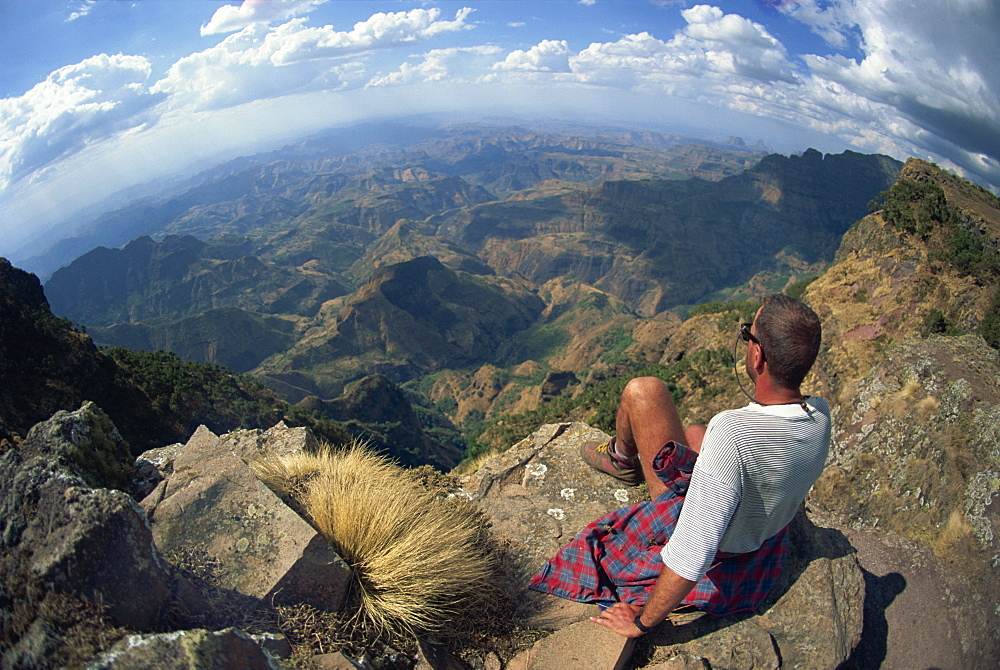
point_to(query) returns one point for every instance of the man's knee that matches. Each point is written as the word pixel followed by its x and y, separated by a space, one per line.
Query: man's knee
pixel 644 389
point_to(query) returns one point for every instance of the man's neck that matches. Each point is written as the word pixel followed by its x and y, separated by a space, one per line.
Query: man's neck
pixel 771 394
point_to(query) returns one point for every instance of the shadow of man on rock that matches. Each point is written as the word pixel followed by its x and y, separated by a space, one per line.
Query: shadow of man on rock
pixel 880 592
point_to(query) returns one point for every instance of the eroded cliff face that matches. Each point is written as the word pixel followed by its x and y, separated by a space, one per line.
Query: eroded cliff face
pixel 916 408
pixel 916 450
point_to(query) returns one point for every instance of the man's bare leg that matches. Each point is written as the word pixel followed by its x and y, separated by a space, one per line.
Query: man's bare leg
pixel 646 420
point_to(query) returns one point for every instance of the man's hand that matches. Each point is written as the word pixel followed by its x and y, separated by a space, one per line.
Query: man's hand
pixel 619 618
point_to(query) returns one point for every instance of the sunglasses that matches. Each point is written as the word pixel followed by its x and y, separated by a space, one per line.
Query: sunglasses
pixel 746 335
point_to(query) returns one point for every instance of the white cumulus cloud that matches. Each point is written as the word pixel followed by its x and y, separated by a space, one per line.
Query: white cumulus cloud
pixel 260 62
pixel 927 79
pixel 546 56
pixel 230 18
pixel 455 64
pixel 630 60
pixel 730 44
pixel 378 32
pixel 75 106
pixel 713 47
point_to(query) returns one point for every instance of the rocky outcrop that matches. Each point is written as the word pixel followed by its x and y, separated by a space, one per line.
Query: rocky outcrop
pixel 916 455
pixel 85 443
pixel 214 507
pixel 915 452
pixel 539 494
pixel 62 532
pixel 154 465
pixel 71 535
pixel 80 563
pixel 579 645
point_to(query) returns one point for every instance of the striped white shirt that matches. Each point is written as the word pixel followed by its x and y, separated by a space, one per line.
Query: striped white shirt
pixel 756 466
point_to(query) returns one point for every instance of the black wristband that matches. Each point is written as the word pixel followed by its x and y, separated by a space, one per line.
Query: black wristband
pixel 637 622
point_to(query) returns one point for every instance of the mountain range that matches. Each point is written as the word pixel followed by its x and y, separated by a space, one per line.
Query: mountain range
pixel 459 251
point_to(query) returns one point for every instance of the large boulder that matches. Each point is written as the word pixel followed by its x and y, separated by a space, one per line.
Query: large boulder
pixel 92 542
pixel 213 506
pixel 539 495
pixel 60 535
pixel 580 645
pixel 916 453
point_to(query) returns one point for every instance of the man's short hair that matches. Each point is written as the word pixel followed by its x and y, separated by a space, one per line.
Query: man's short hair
pixel 790 333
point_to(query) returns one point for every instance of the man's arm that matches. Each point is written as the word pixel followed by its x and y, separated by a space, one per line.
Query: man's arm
pixel 702 522
pixel 667 594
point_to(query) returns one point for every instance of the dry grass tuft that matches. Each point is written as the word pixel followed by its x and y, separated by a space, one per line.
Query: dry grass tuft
pixel 420 561
pixel 468 467
pixel 955 530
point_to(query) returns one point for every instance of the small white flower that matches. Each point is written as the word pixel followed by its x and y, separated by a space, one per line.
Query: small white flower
pixel 536 469
pixel 621 495
pixel 556 514
pixel 568 493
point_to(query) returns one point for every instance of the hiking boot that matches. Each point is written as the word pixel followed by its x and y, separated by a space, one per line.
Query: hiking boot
pixel 600 456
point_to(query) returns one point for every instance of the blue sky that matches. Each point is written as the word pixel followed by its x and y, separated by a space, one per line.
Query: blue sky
pixel 99 95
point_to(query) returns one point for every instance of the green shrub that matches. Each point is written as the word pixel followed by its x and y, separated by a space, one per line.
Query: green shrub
pixel 914 207
pixel 969 255
pixel 743 308
pixel 798 289
pixel 990 326
pixel 935 322
pixel 187 394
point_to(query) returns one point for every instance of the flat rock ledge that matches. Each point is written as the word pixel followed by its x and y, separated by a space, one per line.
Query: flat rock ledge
pixel 539 495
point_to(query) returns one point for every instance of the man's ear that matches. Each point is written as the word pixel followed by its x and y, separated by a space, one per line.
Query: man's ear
pixel 757 359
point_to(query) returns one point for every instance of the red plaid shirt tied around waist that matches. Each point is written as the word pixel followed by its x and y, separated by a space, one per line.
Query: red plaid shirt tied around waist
pixel 617 558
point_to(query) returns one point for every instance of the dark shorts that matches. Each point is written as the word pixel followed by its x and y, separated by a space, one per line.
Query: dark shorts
pixel 617 558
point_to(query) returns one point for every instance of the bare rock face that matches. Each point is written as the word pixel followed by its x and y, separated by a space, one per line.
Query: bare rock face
pixel 62 535
pixel 229 649
pixel 917 454
pixel 540 494
pixel 279 440
pixel 213 506
pixel 156 464
pixel 58 535
pixel 97 543
pixel 814 612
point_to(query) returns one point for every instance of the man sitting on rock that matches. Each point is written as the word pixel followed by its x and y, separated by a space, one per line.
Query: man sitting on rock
pixel 723 501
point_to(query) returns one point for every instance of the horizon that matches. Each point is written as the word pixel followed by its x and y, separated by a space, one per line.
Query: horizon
pixel 104 96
